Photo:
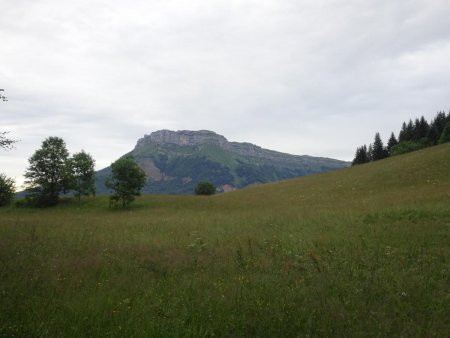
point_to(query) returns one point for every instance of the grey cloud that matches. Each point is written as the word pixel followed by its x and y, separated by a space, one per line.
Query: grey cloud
pixel 314 77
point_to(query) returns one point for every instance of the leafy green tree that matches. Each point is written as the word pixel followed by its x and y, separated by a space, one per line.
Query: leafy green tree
pixel 445 136
pixel 205 188
pixel 378 150
pixel 82 174
pixel 48 175
pixel 7 190
pixel 126 180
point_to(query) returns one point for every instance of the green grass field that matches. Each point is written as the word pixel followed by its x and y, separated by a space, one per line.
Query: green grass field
pixel 359 252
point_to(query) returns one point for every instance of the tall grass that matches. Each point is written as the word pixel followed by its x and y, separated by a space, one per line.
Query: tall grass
pixel 358 252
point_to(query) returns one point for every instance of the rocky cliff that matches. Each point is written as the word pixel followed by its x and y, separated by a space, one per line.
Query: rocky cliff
pixel 175 161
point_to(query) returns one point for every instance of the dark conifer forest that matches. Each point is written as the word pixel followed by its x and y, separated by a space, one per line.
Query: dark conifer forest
pixel 413 135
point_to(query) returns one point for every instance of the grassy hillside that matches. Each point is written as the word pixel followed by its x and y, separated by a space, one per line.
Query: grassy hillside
pixel 362 251
pixel 176 168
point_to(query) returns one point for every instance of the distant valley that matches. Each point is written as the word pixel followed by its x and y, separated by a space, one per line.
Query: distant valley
pixel 174 161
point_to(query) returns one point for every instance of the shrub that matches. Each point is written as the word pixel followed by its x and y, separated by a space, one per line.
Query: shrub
pixel 406 147
pixel 205 188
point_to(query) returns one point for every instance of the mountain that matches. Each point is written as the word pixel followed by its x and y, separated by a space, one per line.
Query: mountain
pixel 175 161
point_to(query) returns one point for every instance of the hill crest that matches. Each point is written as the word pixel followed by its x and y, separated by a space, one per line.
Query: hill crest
pixel 174 161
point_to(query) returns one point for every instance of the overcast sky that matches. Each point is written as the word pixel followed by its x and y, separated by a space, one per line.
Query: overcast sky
pixel 316 77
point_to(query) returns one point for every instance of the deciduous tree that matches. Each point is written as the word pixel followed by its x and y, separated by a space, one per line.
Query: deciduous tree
pixel 48 174
pixel 82 174
pixel 126 180
pixel 7 190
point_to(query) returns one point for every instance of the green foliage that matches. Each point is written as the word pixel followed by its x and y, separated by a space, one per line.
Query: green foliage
pixel 205 188
pixel 126 180
pixel 359 252
pixel 5 142
pixel 7 190
pixel 406 147
pixel 48 174
pixel 378 151
pixel 82 174
pixel 412 136
pixel 392 142
pixel 445 136
pixel 361 156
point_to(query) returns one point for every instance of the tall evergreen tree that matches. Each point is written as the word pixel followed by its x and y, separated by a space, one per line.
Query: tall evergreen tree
pixel 360 156
pixel 392 142
pixel 403 133
pixel 370 153
pixel 378 151
pixel 410 131
pixel 421 128
pixel 437 126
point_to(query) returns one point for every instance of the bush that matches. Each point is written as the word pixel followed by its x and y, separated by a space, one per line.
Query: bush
pixel 205 188
pixel 445 136
pixel 7 190
pixel 406 147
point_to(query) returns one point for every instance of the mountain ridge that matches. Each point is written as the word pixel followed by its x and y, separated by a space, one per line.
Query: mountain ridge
pixel 174 161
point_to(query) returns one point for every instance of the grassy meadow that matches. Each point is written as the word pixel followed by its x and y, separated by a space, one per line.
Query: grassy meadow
pixel 359 252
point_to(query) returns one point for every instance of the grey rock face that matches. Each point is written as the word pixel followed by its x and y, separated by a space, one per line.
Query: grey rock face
pixel 183 138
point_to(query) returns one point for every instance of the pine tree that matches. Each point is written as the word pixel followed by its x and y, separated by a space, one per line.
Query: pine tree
pixel 410 131
pixel 403 133
pixel 392 142
pixel 370 153
pixel 360 156
pixel 437 126
pixel 378 150
pixel 422 128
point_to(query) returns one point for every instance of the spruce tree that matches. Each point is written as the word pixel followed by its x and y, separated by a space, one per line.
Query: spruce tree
pixel 392 142
pixel 378 150
pixel 403 133
pixel 360 156
pixel 370 153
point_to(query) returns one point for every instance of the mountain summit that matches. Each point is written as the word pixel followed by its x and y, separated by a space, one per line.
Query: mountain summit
pixel 175 161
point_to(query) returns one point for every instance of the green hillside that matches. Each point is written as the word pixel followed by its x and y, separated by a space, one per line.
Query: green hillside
pixel 362 251
pixel 176 161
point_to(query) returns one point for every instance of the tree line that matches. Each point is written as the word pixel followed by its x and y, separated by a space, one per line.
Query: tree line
pixel 412 136
pixel 53 172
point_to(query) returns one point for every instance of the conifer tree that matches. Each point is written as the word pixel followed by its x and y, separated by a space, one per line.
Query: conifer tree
pixel 370 153
pixel 421 128
pixel 445 136
pixel 378 151
pixel 360 156
pixel 437 126
pixel 392 142
pixel 403 133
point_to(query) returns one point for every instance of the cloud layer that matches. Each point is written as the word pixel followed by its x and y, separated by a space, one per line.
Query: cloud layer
pixel 304 77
